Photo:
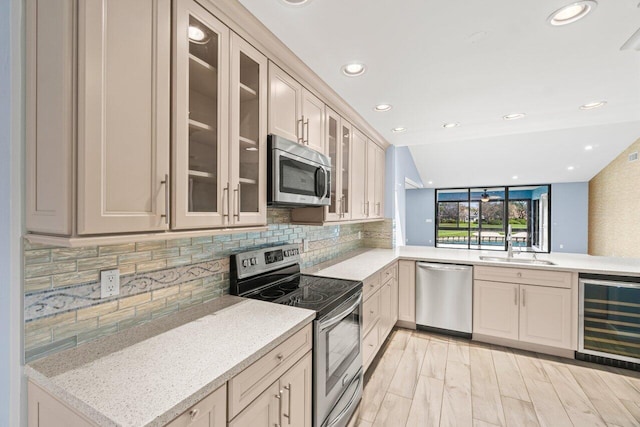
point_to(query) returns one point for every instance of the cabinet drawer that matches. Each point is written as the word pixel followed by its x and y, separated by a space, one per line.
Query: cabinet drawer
pixel 558 279
pixel 248 384
pixel 210 409
pixel 370 285
pixel 370 346
pixel 370 311
pixel 389 273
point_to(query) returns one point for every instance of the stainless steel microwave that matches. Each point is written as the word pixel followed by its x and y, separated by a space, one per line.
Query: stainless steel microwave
pixel 296 174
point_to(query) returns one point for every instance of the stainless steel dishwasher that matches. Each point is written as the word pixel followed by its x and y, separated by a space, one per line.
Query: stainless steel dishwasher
pixel 444 297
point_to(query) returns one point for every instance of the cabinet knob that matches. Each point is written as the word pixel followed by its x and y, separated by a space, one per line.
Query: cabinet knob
pixel 519 274
pixel 280 357
pixel 194 413
pixel 371 311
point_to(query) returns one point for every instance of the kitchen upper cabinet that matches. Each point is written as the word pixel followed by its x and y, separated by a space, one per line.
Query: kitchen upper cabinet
pixel 358 175
pixel 338 145
pixel 294 112
pixel 120 135
pixel 248 169
pixel 201 184
pixel 219 136
pixel 378 193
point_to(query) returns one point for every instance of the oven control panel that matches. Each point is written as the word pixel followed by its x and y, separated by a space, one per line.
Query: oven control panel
pixel 266 259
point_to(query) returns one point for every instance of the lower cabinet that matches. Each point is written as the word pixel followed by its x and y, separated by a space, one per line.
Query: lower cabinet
pixel 209 412
pixel 407 293
pixel 528 313
pixel 380 311
pixel 285 402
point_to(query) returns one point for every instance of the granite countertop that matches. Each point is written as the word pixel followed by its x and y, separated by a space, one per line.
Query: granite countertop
pixel 176 360
pixel 366 263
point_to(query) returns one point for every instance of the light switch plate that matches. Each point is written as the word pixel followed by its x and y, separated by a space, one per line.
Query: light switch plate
pixel 109 283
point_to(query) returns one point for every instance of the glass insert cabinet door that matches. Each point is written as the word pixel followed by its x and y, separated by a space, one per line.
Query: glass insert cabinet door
pixel 248 134
pixel 200 150
pixel 334 210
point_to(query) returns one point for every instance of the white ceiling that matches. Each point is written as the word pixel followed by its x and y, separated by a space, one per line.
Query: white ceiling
pixel 472 62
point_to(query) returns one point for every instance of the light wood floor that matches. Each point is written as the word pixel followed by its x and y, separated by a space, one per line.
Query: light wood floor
pixel 431 380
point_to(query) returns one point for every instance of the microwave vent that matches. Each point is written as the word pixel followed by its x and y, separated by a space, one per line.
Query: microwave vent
pixel 633 156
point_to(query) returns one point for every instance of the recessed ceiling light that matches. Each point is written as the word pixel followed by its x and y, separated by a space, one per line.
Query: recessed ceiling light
pixel 354 69
pixel 514 177
pixel 430 182
pixel 514 116
pixel 451 125
pixel 296 2
pixel 570 168
pixel 588 147
pixel 592 105
pixel 196 34
pixel 571 12
pixel 382 107
pixel 398 130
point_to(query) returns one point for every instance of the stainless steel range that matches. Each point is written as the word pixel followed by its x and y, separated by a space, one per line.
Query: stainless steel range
pixel 273 274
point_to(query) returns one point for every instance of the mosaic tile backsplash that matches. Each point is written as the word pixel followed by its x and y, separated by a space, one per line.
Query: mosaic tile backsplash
pixel 62 304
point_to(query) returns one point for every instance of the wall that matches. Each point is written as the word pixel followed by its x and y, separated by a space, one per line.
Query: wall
pixel 399 166
pixel 12 401
pixel 420 208
pixel 614 208
pixel 62 295
pixel 569 218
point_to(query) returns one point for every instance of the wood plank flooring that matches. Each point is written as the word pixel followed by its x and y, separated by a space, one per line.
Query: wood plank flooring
pixel 426 380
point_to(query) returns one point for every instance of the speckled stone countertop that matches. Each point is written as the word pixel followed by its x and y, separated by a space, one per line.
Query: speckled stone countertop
pixel 366 263
pixel 148 375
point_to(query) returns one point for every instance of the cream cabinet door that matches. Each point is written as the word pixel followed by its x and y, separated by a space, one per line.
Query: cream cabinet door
pixel 358 175
pixel 262 412
pixel 285 115
pixel 346 135
pixel 545 316
pixel 495 309
pixel 370 186
pixel 296 389
pixel 333 124
pixel 44 410
pixel 313 121
pixel 378 194
pixel 394 302
pixel 209 412
pixel 123 115
pixel 386 320
pixel 200 147
pixel 407 291
pixel 248 166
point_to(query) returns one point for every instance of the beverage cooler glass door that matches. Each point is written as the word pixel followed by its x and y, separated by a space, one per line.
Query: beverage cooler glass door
pixel 610 319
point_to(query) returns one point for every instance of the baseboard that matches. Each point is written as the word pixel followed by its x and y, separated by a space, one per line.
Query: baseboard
pixel 544 349
pixel 405 324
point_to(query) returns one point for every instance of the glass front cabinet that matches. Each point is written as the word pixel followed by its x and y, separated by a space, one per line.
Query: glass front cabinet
pixel 338 133
pixel 219 124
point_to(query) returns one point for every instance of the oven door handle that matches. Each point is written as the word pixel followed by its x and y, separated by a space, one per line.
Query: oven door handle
pixel 337 318
pixel 353 401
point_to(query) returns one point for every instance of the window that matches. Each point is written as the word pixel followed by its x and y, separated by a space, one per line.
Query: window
pixel 480 218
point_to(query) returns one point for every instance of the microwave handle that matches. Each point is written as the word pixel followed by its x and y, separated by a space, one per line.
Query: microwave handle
pixel 321 182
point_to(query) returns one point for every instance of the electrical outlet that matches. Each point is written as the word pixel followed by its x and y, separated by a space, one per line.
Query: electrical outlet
pixel 109 283
pixel 359 235
pixel 305 245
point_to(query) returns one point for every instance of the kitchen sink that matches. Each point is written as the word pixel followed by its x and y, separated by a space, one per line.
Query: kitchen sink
pixel 517 260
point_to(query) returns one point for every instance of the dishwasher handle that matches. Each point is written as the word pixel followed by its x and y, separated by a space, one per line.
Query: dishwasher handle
pixel 442 267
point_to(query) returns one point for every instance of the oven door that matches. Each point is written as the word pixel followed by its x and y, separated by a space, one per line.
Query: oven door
pixel 298 181
pixel 338 355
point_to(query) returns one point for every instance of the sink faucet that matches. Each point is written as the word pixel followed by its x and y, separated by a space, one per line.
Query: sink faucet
pixel 509 243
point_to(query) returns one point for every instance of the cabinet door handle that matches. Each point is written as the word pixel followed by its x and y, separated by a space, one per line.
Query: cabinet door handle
pixel 287 416
pixel 523 296
pixel 378 209
pixel 515 296
pixel 236 204
pixel 306 124
pixel 225 212
pixel 279 397
pixel 166 198
pixel 300 128
pixel 194 413
pixel 342 207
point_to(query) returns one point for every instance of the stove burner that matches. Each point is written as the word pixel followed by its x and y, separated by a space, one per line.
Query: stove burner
pixel 272 293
